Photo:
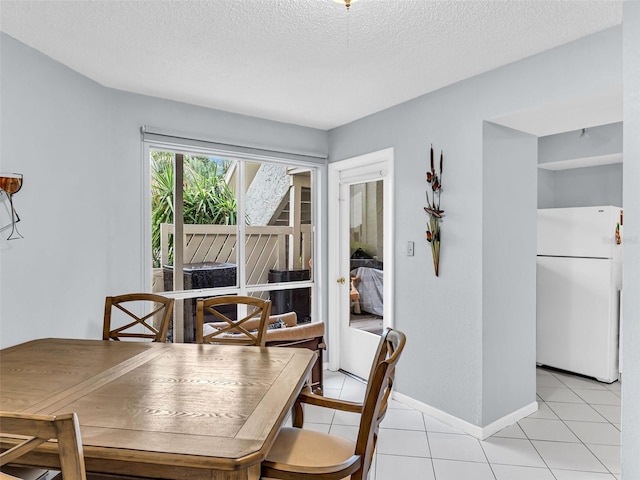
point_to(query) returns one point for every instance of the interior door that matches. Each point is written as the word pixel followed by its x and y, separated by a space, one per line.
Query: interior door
pixel 360 266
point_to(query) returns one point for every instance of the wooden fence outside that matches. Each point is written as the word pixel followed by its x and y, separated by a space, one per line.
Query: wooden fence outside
pixel 266 247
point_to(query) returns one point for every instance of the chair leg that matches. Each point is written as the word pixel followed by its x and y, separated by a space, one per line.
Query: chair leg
pixel 297 415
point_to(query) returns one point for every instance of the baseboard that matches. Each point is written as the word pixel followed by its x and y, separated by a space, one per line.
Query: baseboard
pixel 462 425
pixel 510 419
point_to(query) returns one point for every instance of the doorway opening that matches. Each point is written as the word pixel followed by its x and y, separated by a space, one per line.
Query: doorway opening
pixel 360 259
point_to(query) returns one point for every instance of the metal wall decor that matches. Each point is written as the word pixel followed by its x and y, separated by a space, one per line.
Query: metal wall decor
pixel 433 209
pixel 11 183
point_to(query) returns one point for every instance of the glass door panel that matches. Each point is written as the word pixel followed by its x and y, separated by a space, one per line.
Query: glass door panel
pixel 207 218
pixel 366 292
pixel 278 235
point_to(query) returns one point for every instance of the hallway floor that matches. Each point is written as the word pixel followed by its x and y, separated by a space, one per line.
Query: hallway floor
pixel 575 435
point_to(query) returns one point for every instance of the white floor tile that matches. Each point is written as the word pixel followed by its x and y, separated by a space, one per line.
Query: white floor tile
pixel 568 456
pixel 353 390
pixel 512 451
pixel 614 387
pixel 344 431
pixel 512 431
pixel 353 380
pixel 451 446
pixel 402 442
pixel 394 467
pixel 572 475
pixel 598 397
pixel 543 429
pixel 581 412
pixel 558 394
pixel 331 392
pixel 457 470
pixel 346 418
pixel 401 406
pixel 434 425
pixel 403 420
pixel 315 414
pixel 575 436
pixel 510 472
pixel 547 380
pixel 597 433
pixel 543 412
pixel 610 412
pixel 608 455
pixel 574 381
pixel 333 380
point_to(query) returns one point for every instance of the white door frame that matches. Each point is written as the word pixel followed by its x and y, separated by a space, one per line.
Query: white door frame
pixel 381 166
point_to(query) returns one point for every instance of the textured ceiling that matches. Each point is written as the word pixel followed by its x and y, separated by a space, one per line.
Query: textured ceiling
pixel 307 62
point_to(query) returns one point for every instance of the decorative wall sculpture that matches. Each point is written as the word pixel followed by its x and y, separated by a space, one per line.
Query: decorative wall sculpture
pixel 433 209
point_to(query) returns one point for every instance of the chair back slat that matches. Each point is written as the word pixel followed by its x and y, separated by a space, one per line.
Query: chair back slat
pixel 376 400
pixel 40 429
pixel 162 309
pixel 228 328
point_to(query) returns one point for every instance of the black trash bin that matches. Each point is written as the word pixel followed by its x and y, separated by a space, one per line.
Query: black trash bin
pixel 295 300
pixel 200 275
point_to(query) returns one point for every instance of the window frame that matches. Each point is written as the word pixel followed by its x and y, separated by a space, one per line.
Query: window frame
pixel 241 158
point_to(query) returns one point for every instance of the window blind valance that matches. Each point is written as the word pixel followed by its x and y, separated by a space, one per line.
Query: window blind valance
pixel 177 140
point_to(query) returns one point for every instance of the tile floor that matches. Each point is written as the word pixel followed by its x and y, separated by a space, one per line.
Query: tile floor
pixel 575 435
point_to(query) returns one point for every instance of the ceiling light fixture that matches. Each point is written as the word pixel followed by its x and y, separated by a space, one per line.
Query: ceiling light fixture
pixel 346 3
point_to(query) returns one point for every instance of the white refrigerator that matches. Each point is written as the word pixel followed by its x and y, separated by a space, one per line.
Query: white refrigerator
pixel 579 277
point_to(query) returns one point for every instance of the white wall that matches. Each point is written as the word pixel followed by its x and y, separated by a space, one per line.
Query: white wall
pixel 509 241
pixel 600 140
pixel 446 362
pixel 54 131
pixel 546 189
pixel 79 147
pixel 588 187
pixel 580 187
pixel 631 269
pixel 584 186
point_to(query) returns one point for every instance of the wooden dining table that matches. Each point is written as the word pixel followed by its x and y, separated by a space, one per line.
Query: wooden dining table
pixel 158 410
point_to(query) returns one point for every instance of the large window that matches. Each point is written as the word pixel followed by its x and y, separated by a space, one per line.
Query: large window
pixel 224 224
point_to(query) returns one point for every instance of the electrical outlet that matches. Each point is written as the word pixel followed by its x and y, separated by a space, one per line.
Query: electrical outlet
pixel 409 249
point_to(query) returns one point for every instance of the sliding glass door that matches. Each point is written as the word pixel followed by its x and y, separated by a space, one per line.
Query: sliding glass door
pixel 230 225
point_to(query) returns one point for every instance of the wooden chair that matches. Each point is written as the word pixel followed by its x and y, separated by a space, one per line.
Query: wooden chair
pixel 40 429
pixel 306 454
pixel 162 306
pixel 304 335
pixel 248 330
